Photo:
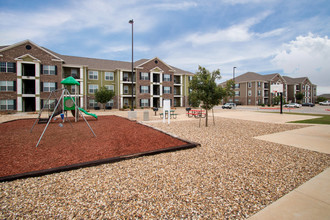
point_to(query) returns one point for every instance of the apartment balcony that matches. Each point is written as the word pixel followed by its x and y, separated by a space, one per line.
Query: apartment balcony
pixel 266 86
pixel 67 74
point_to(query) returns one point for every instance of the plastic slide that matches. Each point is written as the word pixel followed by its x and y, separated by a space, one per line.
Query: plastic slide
pixel 87 113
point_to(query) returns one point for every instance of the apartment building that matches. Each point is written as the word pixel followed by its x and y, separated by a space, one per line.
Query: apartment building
pixel 254 89
pixel 29 72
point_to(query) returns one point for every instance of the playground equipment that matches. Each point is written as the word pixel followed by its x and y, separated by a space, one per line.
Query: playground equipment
pixel 60 102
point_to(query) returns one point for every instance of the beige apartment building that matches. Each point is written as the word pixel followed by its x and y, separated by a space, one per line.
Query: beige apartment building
pixel 254 89
pixel 29 73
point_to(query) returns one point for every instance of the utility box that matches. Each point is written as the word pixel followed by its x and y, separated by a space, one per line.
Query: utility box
pixel 145 116
pixel 132 115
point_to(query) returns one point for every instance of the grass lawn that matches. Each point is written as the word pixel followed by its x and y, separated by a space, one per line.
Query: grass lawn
pixel 324 119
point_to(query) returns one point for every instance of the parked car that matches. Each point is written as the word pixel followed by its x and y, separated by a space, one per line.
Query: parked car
pixel 293 105
pixel 228 105
pixel 325 103
pixel 308 104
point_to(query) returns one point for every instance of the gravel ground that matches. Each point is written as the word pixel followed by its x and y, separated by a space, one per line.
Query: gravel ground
pixel 231 175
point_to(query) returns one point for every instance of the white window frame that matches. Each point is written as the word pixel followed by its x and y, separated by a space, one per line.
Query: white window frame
pixel 249 92
pixel 93 75
pixel 249 84
pixel 144 89
pixel 6 86
pixel 144 102
pixel 259 92
pixel 109 76
pixel 237 93
pixel 92 103
pixel 5 105
pixel 110 103
pixel 110 87
pixel 144 76
pixel 48 70
pixel 167 78
pixel 49 86
pixel 92 88
pixel 167 90
pixel 7 69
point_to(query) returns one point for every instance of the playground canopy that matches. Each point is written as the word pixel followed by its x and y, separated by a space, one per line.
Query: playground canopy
pixel 70 81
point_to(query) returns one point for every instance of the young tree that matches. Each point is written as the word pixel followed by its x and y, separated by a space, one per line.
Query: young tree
pixel 321 99
pixel 205 91
pixel 299 97
pixel 104 95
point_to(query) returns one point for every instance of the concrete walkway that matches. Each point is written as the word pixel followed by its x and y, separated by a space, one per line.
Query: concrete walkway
pixel 312 199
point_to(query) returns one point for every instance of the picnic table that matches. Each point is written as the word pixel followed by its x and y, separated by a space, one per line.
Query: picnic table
pixel 172 114
pixel 197 113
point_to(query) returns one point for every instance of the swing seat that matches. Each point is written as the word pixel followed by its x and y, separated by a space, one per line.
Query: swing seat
pixel 43 120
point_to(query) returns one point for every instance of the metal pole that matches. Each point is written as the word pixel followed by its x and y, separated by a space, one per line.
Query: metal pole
pixel 132 107
pixel 234 82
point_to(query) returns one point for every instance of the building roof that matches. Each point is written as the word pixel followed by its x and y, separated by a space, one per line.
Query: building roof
pixel 290 80
pixel 92 63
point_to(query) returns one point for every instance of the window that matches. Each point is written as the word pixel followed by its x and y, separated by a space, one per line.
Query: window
pixel 92 88
pixel 144 102
pixel 93 75
pixel 6 86
pixel 249 85
pixel 144 76
pixel 92 103
pixel 110 87
pixel 48 70
pixel 49 105
pixel 125 89
pixel 167 77
pixel 249 92
pixel 237 93
pixel 236 85
pixel 49 86
pixel 144 89
pixel 249 101
pixel 259 92
pixel 7 67
pixel 73 89
pixel 110 103
pixel 109 76
pixel 74 73
pixel 167 90
pixel 126 102
pixel 125 77
pixel 259 84
pixel 7 104
pixel 190 78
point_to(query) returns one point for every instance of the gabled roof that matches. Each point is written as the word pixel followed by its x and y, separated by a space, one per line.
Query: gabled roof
pixel 30 42
pixel 291 80
pixel 249 76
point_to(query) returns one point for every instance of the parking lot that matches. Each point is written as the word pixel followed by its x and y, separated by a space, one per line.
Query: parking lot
pixel 317 109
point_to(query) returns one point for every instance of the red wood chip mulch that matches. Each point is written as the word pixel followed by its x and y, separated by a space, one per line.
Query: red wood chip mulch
pixel 63 146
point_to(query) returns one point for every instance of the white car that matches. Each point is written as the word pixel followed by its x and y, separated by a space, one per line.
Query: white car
pixel 293 105
pixel 325 103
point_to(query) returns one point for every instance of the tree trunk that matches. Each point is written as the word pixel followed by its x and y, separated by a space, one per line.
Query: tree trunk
pixel 206 117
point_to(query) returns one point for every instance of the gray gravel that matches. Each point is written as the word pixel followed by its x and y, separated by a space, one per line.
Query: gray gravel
pixel 231 175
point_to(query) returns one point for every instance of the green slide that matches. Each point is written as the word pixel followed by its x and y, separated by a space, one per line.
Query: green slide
pixel 87 113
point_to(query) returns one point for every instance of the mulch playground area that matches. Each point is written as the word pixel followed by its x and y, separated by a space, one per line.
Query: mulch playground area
pixel 69 147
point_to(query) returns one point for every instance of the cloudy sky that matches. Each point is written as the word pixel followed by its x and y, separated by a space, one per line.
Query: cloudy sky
pixel 264 36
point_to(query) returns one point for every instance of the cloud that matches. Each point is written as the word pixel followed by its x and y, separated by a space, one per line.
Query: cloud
pixel 306 56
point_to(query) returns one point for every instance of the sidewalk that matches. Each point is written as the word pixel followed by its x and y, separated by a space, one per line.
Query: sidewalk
pixel 312 199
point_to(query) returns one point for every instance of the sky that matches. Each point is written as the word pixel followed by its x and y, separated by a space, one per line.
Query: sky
pixel 289 37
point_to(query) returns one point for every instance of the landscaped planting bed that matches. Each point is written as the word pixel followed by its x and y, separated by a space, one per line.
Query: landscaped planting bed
pixel 64 145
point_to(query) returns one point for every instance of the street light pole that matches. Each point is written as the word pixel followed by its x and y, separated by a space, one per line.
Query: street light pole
pixel 234 82
pixel 132 106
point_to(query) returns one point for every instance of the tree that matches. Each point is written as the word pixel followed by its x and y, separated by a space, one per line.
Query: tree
pixel 205 91
pixel 321 99
pixel 299 97
pixel 104 95
pixel 229 89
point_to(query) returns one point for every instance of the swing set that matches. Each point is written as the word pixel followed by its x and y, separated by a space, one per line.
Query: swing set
pixel 59 102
